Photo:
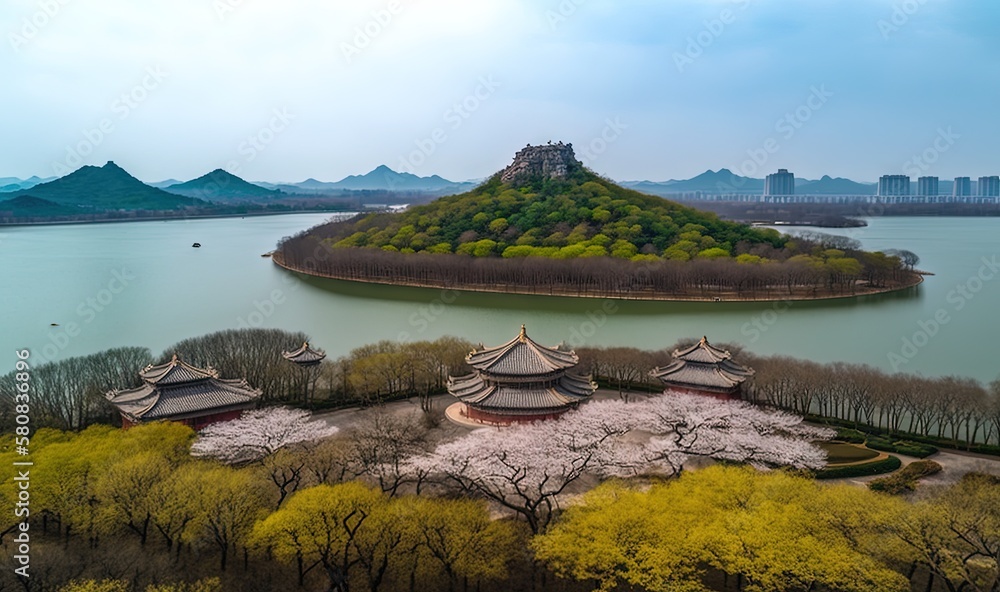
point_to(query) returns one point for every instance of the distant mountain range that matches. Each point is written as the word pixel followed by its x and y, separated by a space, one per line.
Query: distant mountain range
pixel 164 184
pixel 221 186
pixel 830 186
pixel 11 184
pixel 91 190
pixel 109 188
pixel 382 178
pixel 98 189
pixel 725 181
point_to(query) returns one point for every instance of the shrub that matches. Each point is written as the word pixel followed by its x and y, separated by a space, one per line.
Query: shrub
pixel 850 436
pixel 906 480
pixel 877 467
pixel 900 447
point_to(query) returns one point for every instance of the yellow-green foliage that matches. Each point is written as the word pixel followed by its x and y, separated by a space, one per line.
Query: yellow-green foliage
pixel 776 530
pixel 585 216
pixel 207 585
pixel 340 526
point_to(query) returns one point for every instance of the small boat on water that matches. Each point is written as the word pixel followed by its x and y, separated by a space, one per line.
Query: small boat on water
pixel 196 245
pixel 266 255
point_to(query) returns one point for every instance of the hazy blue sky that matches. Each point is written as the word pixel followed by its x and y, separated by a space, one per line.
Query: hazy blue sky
pixel 181 86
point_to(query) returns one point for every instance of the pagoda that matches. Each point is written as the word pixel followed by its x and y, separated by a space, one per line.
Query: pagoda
pixel 703 369
pixel 304 356
pixel 308 360
pixel 519 382
pixel 178 391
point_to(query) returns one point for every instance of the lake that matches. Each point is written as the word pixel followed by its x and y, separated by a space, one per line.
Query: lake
pixel 142 283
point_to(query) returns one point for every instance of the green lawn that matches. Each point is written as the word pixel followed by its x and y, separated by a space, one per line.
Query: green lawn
pixel 839 452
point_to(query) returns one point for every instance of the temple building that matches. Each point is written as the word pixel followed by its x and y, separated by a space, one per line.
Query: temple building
pixel 519 382
pixel 704 370
pixel 178 391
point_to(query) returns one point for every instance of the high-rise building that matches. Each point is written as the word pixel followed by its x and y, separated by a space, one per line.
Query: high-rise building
pixel 780 183
pixel 988 187
pixel 963 187
pixel 927 186
pixel 893 185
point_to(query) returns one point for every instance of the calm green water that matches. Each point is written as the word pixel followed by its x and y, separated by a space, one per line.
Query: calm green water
pixel 110 285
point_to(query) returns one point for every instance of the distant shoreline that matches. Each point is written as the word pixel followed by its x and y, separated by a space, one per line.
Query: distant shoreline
pixel 918 278
pixel 170 218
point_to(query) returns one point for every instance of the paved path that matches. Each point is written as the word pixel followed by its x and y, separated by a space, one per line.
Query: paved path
pixel 346 418
pixel 953 463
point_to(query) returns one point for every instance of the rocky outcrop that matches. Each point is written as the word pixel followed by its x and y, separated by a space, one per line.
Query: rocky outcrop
pixel 551 161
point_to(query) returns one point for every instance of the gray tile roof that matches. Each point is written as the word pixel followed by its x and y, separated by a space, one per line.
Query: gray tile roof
pixel 703 352
pixel 176 371
pixel 177 389
pixel 479 394
pixel 304 355
pixel 703 365
pixel 522 356
pixel 150 402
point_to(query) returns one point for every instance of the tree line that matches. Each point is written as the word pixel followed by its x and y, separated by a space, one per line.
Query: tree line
pixel 821 270
pixel 953 410
pixel 70 394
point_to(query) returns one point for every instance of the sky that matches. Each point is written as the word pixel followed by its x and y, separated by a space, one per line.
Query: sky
pixel 656 90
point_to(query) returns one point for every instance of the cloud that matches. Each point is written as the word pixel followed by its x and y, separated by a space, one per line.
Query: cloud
pixel 231 62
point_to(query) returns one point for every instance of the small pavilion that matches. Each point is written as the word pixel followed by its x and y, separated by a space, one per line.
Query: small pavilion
pixel 309 360
pixel 703 369
pixel 519 382
pixel 178 391
pixel 305 356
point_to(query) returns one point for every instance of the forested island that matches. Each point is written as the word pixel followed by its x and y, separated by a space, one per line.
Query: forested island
pixel 547 225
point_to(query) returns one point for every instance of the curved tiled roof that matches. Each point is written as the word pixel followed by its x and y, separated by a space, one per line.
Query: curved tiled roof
pixel 703 365
pixel 176 371
pixel 724 375
pixel 521 376
pixel 177 389
pixel 304 355
pixel 477 393
pixel 703 352
pixel 151 402
pixel 522 356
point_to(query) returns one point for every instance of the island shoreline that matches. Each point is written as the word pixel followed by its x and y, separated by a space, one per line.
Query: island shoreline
pixel 918 275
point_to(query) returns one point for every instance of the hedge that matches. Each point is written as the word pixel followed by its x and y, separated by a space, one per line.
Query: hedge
pixel 906 480
pixel 877 467
pixel 901 447
pixel 850 436
pixel 911 438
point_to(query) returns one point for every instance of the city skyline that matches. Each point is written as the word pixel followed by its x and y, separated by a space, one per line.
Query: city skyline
pixel 172 90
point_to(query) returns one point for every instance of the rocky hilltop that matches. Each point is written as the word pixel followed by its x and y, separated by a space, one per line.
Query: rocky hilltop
pixel 551 161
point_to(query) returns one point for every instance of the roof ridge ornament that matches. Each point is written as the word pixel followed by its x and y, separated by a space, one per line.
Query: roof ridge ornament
pixel 524 334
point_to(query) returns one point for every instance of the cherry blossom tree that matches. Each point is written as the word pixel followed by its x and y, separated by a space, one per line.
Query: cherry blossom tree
pixel 685 426
pixel 526 468
pixel 258 434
